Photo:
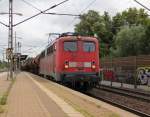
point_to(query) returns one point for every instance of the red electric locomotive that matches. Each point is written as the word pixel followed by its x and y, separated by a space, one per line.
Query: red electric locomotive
pixel 71 58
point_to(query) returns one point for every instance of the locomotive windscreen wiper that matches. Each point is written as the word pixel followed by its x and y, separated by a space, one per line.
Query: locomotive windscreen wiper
pixel 68 49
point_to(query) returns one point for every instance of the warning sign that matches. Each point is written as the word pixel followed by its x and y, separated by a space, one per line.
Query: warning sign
pixel 8 53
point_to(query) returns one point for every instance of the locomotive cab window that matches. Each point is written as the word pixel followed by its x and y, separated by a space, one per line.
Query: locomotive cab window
pixel 88 46
pixel 70 46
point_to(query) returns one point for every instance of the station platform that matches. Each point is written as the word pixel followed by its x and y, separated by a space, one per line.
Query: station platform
pixel 33 96
pixel 4 83
pixel 26 99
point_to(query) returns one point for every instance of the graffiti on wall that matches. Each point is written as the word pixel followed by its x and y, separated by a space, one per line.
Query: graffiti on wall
pixel 127 76
pixel 143 74
pixel 118 75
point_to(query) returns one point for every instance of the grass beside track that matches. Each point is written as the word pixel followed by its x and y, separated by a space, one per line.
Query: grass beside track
pixel 79 109
pixel 3 98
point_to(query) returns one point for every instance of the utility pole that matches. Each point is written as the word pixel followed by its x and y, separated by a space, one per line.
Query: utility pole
pixel 10 37
pixel 9 50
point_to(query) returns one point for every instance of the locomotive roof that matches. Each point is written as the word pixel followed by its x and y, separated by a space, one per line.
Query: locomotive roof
pixel 67 37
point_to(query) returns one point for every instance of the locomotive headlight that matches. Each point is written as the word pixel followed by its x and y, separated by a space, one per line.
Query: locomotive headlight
pixel 93 66
pixel 66 66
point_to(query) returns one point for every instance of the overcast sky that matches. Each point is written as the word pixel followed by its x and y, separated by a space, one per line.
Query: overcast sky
pixel 34 32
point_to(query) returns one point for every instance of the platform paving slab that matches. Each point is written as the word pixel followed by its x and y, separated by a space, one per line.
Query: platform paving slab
pixel 91 107
pixel 29 98
pixel 70 111
pixel 26 99
pixel 4 83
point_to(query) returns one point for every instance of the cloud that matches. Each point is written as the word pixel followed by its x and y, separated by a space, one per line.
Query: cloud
pixel 34 32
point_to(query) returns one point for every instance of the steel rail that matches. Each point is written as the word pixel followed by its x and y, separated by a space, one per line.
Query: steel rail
pixel 126 93
pixel 140 92
pixel 134 111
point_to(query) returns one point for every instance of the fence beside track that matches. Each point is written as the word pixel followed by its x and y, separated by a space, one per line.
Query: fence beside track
pixel 133 69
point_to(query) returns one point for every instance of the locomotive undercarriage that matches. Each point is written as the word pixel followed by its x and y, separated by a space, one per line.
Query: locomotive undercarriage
pixel 83 81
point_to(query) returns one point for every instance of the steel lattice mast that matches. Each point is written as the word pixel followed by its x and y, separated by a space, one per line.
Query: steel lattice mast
pixel 10 37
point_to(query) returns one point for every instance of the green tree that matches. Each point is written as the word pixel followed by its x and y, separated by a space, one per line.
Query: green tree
pixel 92 23
pixel 146 41
pixel 130 41
pixel 108 35
pixel 130 17
pixel 128 30
pixel 3 65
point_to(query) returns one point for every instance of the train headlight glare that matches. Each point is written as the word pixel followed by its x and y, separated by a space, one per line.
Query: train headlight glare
pixel 93 66
pixel 66 66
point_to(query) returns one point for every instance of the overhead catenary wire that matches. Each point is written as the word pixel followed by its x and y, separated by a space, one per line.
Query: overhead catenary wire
pixel 31 5
pixel 81 12
pixel 35 14
pixel 10 40
pixel 34 48
pixel 43 11
pixel 29 50
pixel 65 14
pixel 88 6
pixel 142 5
pixel 95 0
pixel 46 13
pixel 4 24
pixel 3 45
pixel 26 45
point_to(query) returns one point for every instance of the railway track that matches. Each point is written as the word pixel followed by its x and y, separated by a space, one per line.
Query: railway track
pixel 138 94
pixel 136 102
